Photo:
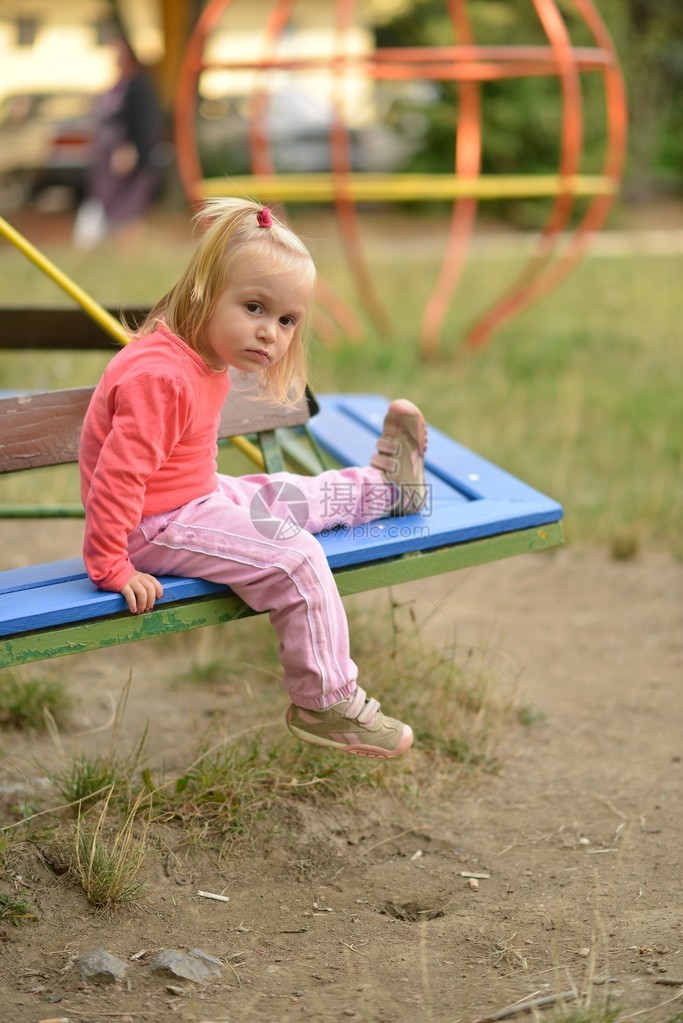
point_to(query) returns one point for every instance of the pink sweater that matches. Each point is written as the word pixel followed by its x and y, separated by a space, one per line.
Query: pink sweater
pixel 148 445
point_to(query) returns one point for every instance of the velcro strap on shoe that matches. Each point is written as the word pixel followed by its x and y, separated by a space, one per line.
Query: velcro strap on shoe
pixel 387 446
pixel 361 708
pixel 384 463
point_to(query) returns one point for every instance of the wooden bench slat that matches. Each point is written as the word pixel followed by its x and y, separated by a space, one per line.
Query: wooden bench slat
pixel 57 594
pixel 13 580
pixel 351 441
pixel 474 476
pixel 62 602
pixel 213 610
pixel 43 428
pixel 60 328
pixel 78 600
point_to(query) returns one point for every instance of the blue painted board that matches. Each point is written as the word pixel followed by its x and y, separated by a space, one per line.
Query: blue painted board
pixel 352 442
pixel 470 474
pixel 471 499
pixel 32 576
pixel 78 601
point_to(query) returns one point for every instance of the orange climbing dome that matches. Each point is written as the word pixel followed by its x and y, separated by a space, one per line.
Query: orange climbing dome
pixel 274 60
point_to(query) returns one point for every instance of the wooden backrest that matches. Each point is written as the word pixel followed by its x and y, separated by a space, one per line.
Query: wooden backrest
pixel 44 428
pixel 60 328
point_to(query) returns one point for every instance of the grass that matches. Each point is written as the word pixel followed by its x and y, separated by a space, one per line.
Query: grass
pixel 220 795
pixel 90 778
pixel 595 1014
pixel 234 784
pixel 239 783
pixel 6 841
pixel 15 911
pixel 24 702
pixel 87 780
pixel 108 858
pixel 236 781
pixel 579 396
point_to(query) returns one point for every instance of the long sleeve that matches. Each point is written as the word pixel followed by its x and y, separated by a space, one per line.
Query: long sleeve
pixel 149 417
pixel 148 445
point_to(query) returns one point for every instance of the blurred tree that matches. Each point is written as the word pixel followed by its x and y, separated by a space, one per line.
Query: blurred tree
pixel 649 38
pixel 521 117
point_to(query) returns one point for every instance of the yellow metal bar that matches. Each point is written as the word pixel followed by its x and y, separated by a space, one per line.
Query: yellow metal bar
pixel 95 311
pixel 85 301
pixel 249 449
pixel 377 187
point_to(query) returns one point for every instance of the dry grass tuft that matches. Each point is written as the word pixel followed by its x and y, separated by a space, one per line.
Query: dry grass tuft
pixel 107 858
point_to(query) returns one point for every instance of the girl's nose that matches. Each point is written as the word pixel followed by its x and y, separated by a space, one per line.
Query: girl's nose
pixel 267 330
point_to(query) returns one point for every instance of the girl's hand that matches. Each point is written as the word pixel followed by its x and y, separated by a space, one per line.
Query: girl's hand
pixel 141 592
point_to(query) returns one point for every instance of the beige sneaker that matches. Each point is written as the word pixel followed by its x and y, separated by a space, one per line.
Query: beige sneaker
pixel 400 456
pixel 356 725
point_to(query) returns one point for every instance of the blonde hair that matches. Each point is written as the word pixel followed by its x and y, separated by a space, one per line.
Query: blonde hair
pixel 231 235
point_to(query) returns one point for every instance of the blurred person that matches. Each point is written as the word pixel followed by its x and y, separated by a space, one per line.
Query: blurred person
pixel 123 177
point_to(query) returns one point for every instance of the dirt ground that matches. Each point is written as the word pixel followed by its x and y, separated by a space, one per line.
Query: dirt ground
pixel 361 911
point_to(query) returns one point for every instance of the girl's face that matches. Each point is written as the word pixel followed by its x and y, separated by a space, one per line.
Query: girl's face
pixel 257 317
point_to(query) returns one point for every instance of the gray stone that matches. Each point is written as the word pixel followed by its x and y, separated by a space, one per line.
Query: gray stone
pixel 196 965
pixel 102 966
pixel 207 959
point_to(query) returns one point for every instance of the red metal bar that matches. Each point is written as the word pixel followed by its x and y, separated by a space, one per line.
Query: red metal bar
pixel 533 57
pixel 332 309
pixel 341 165
pixel 572 117
pixel 187 156
pixel 570 153
pixel 467 165
pixel 475 72
pixel 599 207
pixel 260 148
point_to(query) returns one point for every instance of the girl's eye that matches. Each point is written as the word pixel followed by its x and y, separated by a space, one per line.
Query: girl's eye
pixel 253 307
pixel 287 321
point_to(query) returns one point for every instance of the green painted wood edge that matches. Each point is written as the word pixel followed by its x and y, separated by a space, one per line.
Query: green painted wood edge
pixel 126 628
pixel 326 462
pixel 299 451
pixel 420 564
pixel 45 511
pixel 272 453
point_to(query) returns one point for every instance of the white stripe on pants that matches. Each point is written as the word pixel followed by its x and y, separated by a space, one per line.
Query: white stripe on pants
pixel 254 533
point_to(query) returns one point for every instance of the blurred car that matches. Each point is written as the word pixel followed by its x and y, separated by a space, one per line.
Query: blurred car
pixel 46 140
pixel 299 127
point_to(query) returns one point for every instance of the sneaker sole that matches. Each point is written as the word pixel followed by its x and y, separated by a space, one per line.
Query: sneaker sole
pixel 403 407
pixel 399 408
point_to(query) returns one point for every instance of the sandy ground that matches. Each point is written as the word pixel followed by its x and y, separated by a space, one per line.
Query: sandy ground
pixel 361 910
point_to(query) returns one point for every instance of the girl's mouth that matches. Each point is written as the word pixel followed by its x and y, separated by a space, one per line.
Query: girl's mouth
pixel 260 355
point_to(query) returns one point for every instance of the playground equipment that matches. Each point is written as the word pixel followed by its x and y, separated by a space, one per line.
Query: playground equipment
pixel 277 59
pixel 476 512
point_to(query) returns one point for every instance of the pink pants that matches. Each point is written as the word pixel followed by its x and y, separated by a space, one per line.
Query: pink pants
pixel 254 533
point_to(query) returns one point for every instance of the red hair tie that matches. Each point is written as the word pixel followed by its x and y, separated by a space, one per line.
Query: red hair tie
pixel 264 218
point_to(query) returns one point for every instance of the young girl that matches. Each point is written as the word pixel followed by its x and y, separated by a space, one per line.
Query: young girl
pixel 156 505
